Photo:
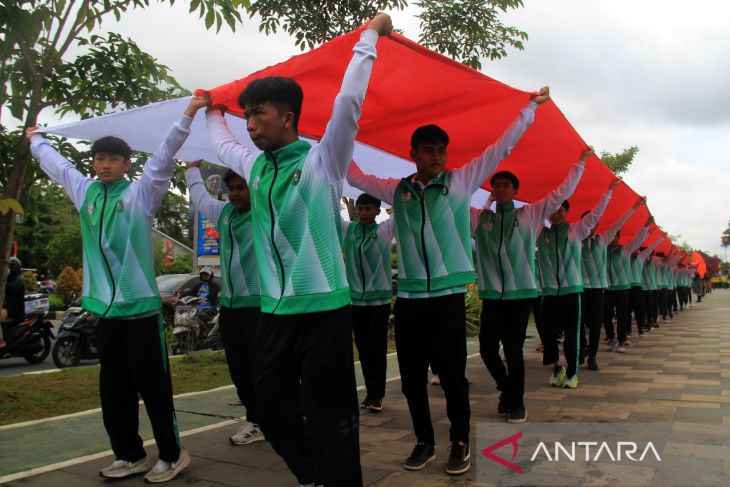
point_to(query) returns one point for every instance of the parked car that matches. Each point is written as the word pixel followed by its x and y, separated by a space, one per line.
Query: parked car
pixel 171 286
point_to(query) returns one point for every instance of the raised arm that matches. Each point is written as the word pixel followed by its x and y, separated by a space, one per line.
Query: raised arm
pixel 472 175
pixel 335 150
pixel 386 230
pixel 635 242
pixel 232 153
pixel 608 235
pixel 381 188
pixel 209 206
pixel 58 168
pixel 584 226
pixel 537 212
pixel 647 251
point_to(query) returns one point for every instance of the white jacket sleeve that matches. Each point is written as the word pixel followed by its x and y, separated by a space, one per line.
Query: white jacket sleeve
pixel 647 251
pixel 635 242
pixel 582 228
pixel 206 204
pixel 472 175
pixel 537 212
pixel 60 170
pixel 386 230
pixel 334 152
pixel 474 219
pixel 232 153
pixel 608 235
pixel 380 188
pixel 160 167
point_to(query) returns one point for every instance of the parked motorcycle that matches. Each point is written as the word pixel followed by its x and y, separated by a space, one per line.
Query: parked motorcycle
pixel 194 329
pixel 30 339
pixel 77 339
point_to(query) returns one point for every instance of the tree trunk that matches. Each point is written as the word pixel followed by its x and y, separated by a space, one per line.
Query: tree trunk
pixel 350 205
pixel 14 189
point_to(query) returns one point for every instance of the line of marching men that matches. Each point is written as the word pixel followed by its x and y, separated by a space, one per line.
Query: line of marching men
pixel 297 282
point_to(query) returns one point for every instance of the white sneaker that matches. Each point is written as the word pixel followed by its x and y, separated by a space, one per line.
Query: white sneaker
pixel 571 383
pixel 122 468
pixel 556 380
pixel 164 471
pixel 435 380
pixel 247 433
pixel 611 346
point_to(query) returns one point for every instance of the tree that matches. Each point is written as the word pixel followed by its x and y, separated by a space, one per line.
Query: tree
pixel 68 285
pixel 725 238
pixel 37 73
pixel 620 161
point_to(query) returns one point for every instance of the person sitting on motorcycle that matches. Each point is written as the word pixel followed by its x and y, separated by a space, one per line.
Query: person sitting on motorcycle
pixel 14 303
pixel 206 290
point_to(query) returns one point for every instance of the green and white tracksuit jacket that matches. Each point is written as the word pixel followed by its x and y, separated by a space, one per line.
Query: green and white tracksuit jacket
pixel 505 242
pixel 685 278
pixel 638 260
pixel 648 270
pixel 295 194
pixel 366 249
pixel 558 251
pixel 661 272
pixel 593 254
pixel 432 221
pixel 239 274
pixel 116 225
pixel 619 262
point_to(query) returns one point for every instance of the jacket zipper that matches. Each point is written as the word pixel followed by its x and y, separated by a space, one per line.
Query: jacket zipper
pixel 423 239
pixel 101 249
pixel 362 269
pixel 499 250
pixel 273 242
pixel 230 259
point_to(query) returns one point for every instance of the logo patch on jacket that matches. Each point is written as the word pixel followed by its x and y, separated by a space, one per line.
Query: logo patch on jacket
pixel 488 226
pixel 256 183
pixel 406 196
pixel 120 207
pixel 90 208
pixel 296 177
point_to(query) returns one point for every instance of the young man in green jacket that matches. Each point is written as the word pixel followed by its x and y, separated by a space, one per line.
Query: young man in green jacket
pixel 433 240
pixel 366 250
pixel 637 306
pixel 505 249
pixel 305 377
pixel 559 254
pixel 618 264
pixel 240 302
pixel 595 281
pixel 119 287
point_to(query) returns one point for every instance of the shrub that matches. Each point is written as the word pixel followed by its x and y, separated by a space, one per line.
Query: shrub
pixel 68 285
pixel 29 282
pixel 55 302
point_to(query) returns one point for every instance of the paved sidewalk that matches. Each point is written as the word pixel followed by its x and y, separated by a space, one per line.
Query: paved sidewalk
pixel 679 373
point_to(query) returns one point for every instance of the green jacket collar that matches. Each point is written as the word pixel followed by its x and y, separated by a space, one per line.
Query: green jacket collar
pixel 289 154
pixel 509 206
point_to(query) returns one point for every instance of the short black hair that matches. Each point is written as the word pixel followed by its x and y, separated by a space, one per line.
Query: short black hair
pixel 659 254
pixel 284 93
pixel 584 214
pixel 230 174
pixel 366 199
pixel 566 205
pixel 506 175
pixel 111 145
pixel 429 134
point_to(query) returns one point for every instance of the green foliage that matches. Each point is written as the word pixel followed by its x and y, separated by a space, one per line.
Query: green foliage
pixel 468 30
pixel 55 302
pixel 620 161
pixel 181 264
pixel 465 30
pixel 725 238
pixel 473 311
pixel 172 218
pixel 29 282
pixel 68 286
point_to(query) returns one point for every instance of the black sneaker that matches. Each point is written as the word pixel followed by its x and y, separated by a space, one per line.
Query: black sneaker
pixel 517 415
pixel 502 408
pixel 421 455
pixel 375 405
pixel 592 363
pixel 365 403
pixel 458 458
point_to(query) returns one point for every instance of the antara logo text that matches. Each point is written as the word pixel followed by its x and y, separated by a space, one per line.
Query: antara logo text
pixel 589 451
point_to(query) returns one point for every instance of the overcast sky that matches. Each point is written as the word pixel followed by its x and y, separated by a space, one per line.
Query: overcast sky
pixel 650 73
